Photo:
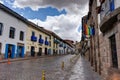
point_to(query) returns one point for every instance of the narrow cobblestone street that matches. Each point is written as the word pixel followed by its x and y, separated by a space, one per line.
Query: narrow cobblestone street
pixel 83 71
pixel 32 69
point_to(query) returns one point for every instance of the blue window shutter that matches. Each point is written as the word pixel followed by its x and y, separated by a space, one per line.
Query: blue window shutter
pixel 93 31
pixel 112 6
pixel 23 48
pixel 13 51
pixel 6 51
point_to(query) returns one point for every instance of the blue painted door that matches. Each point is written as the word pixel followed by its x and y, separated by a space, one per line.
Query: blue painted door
pixel 20 51
pixel 6 52
pixel 23 49
pixel 13 51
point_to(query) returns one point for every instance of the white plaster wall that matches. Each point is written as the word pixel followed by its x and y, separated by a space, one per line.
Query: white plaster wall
pixel 117 3
pixel 10 21
pixel 98 4
pixel 66 49
pixel 105 9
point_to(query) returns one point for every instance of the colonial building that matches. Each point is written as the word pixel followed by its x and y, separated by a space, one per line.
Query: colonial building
pixel 56 44
pixel 95 50
pixel 104 52
pixel 85 41
pixel 13 29
pixel 37 41
pixel 69 47
pixel 20 37
pixel 91 36
pixel 109 17
pixel 51 41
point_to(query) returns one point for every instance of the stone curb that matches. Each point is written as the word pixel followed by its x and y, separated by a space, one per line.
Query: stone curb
pixel 28 58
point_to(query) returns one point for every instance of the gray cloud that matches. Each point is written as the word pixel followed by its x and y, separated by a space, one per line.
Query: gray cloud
pixel 60 4
pixel 64 25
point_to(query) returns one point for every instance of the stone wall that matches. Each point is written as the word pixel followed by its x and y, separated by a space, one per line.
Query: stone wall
pixel 105 49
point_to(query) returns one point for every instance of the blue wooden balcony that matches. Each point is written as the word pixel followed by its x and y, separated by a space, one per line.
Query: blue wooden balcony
pixel 41 41
pixel 33 38
pixel 46 43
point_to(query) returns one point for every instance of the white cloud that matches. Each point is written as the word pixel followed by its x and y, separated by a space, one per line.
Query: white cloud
pixel 64 25
pixel 1 1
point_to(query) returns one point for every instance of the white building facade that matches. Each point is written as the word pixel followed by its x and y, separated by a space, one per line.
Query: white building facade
pixel 12 34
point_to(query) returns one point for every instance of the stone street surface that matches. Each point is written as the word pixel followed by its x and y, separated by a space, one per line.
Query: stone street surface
pixel 82 71
pixel 32 69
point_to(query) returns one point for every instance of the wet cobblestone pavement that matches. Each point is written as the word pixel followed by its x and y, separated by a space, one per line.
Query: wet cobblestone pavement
pixel 83 71
pixel 32 69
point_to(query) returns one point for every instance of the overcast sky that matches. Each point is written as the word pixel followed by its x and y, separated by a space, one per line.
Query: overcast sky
pixel 60 16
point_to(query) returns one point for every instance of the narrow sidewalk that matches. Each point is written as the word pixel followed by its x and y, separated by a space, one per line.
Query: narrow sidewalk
pixel 83 71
